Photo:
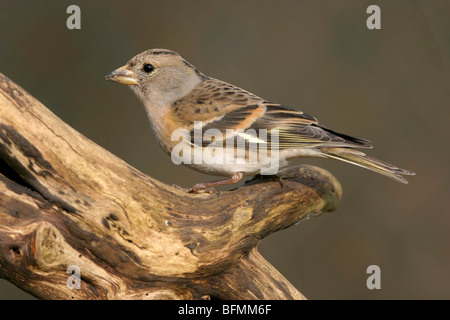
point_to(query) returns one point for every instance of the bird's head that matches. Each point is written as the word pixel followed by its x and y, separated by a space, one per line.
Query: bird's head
pixel 158 76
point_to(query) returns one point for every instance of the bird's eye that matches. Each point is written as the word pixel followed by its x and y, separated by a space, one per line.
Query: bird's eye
pixel 148 68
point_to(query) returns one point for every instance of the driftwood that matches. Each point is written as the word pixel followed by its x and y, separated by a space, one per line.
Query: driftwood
pixel 65 201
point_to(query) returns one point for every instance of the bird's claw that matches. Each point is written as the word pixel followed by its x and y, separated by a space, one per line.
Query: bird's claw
pixel 259 177
pixel 198 188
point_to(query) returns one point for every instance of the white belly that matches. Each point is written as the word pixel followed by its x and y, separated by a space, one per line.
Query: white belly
pixel 226 162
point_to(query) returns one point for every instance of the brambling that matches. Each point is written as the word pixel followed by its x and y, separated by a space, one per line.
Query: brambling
pixel 180 99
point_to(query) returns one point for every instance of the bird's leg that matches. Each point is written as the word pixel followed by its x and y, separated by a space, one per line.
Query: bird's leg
pixel 208 187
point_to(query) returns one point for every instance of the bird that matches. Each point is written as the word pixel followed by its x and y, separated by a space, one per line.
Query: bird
pixel 178 98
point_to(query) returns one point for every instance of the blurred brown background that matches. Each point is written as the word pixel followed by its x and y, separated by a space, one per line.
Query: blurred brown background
pixel 390 86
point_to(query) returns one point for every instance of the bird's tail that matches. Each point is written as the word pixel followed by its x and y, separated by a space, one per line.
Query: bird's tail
pixel 359 158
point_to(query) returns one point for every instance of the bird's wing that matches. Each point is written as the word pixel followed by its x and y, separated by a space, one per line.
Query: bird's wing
pixel 210 100
pixel 218 107
pixel 259 122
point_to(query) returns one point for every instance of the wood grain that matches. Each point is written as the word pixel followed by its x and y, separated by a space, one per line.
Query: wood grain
pixel 66 201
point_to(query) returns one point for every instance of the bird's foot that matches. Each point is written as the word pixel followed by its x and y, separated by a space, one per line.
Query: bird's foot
pixel 207 187
pixel 198 188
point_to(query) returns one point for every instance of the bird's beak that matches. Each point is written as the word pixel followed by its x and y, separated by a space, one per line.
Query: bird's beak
pixel 123 75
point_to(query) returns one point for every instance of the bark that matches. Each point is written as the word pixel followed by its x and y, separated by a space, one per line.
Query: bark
pixel 65 201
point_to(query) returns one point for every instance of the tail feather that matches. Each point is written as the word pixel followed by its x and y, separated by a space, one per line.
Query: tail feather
pixel 359 158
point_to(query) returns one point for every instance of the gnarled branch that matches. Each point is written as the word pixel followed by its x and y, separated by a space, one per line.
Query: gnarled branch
pixel 65 201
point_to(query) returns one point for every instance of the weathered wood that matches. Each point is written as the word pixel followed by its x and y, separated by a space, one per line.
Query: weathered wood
pixel 66 201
